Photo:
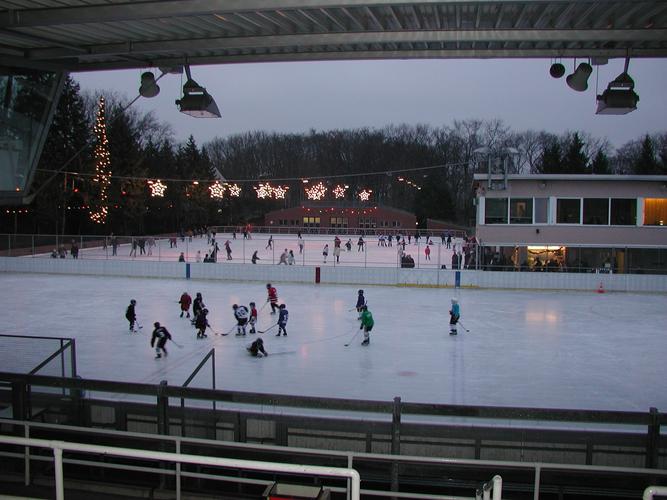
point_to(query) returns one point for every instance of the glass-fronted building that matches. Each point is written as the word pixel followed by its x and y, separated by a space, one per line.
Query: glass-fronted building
pixel 575 223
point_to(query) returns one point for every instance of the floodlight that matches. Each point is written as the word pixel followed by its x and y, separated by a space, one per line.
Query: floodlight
pixel 619 98
pixel 196 101
pixel 557 70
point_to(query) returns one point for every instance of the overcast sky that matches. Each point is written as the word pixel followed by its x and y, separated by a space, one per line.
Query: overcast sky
pixel 297 97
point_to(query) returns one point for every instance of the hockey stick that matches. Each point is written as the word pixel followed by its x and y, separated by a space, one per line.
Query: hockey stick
pixel 269 328
pixel 459 322
pixel 262 308
pixel 220 333
pixel 353 337
pixel 180 346
pixel 282 352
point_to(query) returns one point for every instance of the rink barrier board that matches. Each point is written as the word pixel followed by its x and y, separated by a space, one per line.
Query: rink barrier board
pixel 431 278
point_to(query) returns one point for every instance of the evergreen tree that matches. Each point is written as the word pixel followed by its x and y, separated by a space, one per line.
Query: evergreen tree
pixel 575 160
pixel 66 143
pixel 600 164
pixel 551 160
pixel 646 163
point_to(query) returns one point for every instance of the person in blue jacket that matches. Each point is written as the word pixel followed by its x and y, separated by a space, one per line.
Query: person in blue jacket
pixel 454 315
pixel 283 316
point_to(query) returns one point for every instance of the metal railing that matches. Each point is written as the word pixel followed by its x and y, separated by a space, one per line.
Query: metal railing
pixel 59 447
pixel 354 461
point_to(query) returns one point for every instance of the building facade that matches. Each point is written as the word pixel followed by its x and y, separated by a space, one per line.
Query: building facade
pixel 608 223
pixel 374 218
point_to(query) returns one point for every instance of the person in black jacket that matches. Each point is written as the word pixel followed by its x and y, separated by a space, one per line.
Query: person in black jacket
pixel 201 323
pixel 257 348
pixel 161 334
pixel 131 315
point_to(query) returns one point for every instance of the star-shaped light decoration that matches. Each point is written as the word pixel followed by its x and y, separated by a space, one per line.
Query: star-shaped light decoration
pixel 365 195
pixel 217 190
pixel 279 192
pixel 316 192
pixel 234 190
pixel 339 191
pixel 263 191
pixel 157 188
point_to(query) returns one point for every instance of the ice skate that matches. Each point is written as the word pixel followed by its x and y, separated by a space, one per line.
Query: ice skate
pixel 158 356
pixel 366 342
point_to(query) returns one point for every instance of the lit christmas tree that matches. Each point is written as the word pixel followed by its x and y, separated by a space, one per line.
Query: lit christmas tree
pixel 102 176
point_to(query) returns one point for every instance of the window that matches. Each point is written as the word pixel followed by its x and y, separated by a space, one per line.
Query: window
pixel 596 211
pixel 311 221
pixel 623 212
pixel 568 211
pixel 541 210
pixel 338 221
pixel 655 211
pixel 521 210
pixel 366 222
pixel 495 211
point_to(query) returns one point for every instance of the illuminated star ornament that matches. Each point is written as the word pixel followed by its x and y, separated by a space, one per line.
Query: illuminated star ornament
pixel 263 191
pixel 217 190
pixel 339 192
pixel 279 192
pixel 157 188
pixel 316 192
pixel 234 190
pixel 365 195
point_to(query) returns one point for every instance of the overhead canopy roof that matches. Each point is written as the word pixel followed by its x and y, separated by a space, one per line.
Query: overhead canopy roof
pixel 81 35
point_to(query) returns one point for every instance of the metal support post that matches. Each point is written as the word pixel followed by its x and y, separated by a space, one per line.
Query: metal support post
pixel 162 410
pixel 652 439
pixel 395 440
pixel 58 466
pixel 19 400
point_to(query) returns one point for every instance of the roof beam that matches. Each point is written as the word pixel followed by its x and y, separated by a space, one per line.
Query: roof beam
pixel 152 9
pixel 356 38
pixel 384 54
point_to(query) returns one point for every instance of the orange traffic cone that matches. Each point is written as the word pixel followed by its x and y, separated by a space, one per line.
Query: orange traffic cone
pixel 600 288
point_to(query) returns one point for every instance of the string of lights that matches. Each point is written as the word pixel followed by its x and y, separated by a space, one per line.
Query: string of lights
pixel 278 179
pixel 102 176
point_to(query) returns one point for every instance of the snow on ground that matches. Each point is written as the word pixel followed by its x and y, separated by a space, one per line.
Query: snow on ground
pixel 524 348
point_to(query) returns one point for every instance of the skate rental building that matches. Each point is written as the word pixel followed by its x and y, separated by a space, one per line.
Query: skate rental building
pixel 575 223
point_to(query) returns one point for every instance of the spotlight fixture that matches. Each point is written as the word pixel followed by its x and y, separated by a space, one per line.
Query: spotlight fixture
pixel 620 97
pixel 148 86
pixel 579 79
pixel 557 70
pixel 196 101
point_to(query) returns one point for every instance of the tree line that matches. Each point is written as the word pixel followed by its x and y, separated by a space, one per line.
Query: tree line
pixel 438 162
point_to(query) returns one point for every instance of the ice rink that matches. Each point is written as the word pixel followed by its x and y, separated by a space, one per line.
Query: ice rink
pixel 523 348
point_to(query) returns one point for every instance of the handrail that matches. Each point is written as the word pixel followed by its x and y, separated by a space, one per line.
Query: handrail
pixel 351 457
pixel 652 491
pixel 495 486
pixel 59 446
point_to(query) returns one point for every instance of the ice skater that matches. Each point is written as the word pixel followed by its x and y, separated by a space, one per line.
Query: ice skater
pixel 197 306
pixel 252 320
pixel 131 315
pixel 272 297
pixel 257 349
pixel 282 320
pixel 454 315
pixel 361 301
pixel 201 323
pixel 161 334
pixel 241 315
pixel 185 302
pixel 366 324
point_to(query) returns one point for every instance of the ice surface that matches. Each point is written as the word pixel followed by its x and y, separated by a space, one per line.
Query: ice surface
pixel 524 348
